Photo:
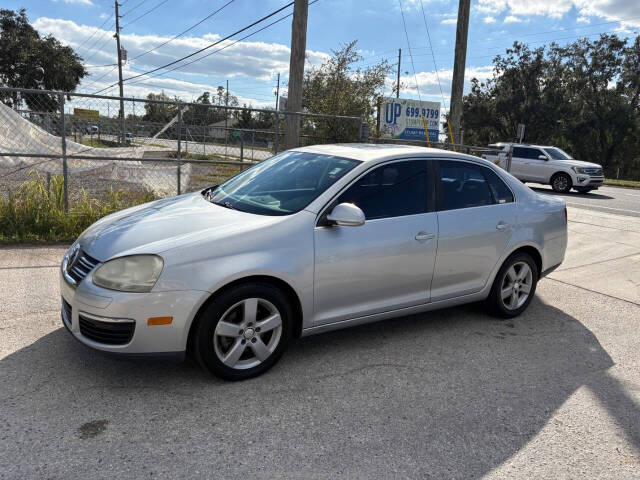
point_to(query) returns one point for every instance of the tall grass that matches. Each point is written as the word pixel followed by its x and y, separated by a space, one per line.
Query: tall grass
pixel 35 213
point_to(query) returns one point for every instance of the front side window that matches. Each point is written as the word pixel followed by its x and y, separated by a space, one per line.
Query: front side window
pixel 463 185
pixel 391 190
pixel 283 184
pixel 557 154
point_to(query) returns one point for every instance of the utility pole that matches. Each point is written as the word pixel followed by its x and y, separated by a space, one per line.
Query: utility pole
pixel 277 132
pixel 117 36
pixel 296 72
pixel 226 115
pixel 457 84
pixel 398 84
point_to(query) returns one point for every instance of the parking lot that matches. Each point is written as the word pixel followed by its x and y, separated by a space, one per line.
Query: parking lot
pixel 554 393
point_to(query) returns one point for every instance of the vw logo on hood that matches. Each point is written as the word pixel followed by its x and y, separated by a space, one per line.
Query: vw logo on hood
pixel 72 256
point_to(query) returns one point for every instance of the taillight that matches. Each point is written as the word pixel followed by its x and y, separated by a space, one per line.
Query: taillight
pixel 566 216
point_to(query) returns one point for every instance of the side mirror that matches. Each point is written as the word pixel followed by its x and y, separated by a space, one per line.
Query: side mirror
pixel 346 215
pixel 543 157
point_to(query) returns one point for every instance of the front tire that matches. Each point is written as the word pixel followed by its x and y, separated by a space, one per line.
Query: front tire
pixel 244 331
pixel 561 183
pixel 514 286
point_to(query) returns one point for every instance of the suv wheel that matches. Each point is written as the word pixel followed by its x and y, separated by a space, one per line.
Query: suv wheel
pixel 561 183
pixel 244 331
pixel 514 286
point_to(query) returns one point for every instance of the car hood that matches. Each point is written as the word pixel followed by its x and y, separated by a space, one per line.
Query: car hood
pixel 165 224
pixel 576 163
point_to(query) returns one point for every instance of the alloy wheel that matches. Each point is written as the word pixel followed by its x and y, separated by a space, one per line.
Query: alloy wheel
pixel 560 183
pixel 247 333
pixel 516 285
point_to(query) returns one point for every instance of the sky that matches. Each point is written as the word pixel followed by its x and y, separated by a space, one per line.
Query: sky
pixel 251 65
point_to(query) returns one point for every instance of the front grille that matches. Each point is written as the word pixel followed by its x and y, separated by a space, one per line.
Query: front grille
pixel 66 313
pixel 110 333
pixel 81 266
pixel 593 171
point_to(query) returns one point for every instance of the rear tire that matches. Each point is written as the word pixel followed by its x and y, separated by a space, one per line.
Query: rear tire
pixel 514 286
pixel 561 183
pixel 244 331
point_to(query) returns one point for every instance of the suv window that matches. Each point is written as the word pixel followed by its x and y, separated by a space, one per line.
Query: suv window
pixel 501 193
pixel 528 153
pixel 391 190
pixel 463 186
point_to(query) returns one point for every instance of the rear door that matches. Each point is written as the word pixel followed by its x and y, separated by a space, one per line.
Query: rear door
pixel 476 217
pixel 530 166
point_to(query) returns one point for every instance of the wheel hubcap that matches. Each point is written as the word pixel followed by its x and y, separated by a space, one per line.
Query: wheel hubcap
pixel 248 333
pixel 516 285
pixel 560 183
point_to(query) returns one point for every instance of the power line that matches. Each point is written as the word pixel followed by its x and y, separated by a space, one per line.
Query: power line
pixel 209 46
pixel 95 30
pixel 132 8
pixel 225 47
pixel 404 24
pixel 424 18
pixel 145 13
pixel 183 32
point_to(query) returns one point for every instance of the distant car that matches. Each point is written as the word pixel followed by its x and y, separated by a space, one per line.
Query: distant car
pixel 313 239
pixel 548 165
pixel 92 129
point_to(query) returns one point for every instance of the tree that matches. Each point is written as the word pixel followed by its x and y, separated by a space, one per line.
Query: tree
pixel 29 61
pixel 159 112
pixel 582 97
pixel 337 87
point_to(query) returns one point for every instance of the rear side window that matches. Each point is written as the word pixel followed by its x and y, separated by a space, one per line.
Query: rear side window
pixel 463 185
pixel 499 189
pixel 392 190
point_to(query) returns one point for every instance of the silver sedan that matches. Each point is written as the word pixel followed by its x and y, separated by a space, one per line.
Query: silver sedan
pixel 310 240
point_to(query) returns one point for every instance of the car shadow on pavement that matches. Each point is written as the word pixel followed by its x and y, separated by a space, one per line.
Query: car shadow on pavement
pixel 448 394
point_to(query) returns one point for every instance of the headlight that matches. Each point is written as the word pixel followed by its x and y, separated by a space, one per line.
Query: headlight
pixel 578 169
pixel 137 273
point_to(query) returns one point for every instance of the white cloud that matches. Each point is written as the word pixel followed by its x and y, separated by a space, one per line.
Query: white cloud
pixel 512 19
pixel 76 2
pixel 428 81
pixel 625 11
pixel 489 19
pixel 259 61
pixel 583 19
pixel 449 21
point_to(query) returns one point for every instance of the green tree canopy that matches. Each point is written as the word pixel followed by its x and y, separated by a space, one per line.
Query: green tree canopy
pixel 30 61
pixel 583 97
pixel 339 87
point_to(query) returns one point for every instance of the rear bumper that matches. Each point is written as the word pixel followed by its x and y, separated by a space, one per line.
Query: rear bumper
pixel 116 322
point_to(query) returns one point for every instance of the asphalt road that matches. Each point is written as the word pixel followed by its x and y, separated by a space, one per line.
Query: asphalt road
pixel 621 201
pixel 456 393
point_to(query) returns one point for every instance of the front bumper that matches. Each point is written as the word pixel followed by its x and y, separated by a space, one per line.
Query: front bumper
pixel 117 321
pixel 591 181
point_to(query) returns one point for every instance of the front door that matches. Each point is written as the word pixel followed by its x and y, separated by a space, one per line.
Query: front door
pixel 387 263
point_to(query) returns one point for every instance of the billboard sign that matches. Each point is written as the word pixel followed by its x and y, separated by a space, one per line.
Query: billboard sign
pixel 83 112
pixel 402 119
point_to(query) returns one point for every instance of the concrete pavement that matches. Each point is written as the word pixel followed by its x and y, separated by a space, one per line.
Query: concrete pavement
pixel 456 393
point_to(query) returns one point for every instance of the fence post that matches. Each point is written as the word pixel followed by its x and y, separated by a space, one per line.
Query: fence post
pixel 275 144
pixel 241 151
pixel 179 153
pixel 509 158
pixel 63 137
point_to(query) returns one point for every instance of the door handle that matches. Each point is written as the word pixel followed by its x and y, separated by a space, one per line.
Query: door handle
pixel 421 236
pixel 502 225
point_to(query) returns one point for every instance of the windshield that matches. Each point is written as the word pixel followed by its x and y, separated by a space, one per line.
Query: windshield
pixel 283 184
pixel 557 154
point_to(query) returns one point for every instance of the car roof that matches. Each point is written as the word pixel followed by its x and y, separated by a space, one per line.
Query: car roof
pixel 366 152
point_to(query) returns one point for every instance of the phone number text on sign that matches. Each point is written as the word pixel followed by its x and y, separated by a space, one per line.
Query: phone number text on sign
pixel 402 119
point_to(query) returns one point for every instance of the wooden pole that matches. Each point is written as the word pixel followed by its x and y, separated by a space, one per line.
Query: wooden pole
pixel 296 72
pixel 457 84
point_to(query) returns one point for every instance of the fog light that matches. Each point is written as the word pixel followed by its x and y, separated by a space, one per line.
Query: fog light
pixel 159 321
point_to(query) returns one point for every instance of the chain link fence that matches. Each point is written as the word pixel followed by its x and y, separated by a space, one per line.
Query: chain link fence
pixel 156 148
